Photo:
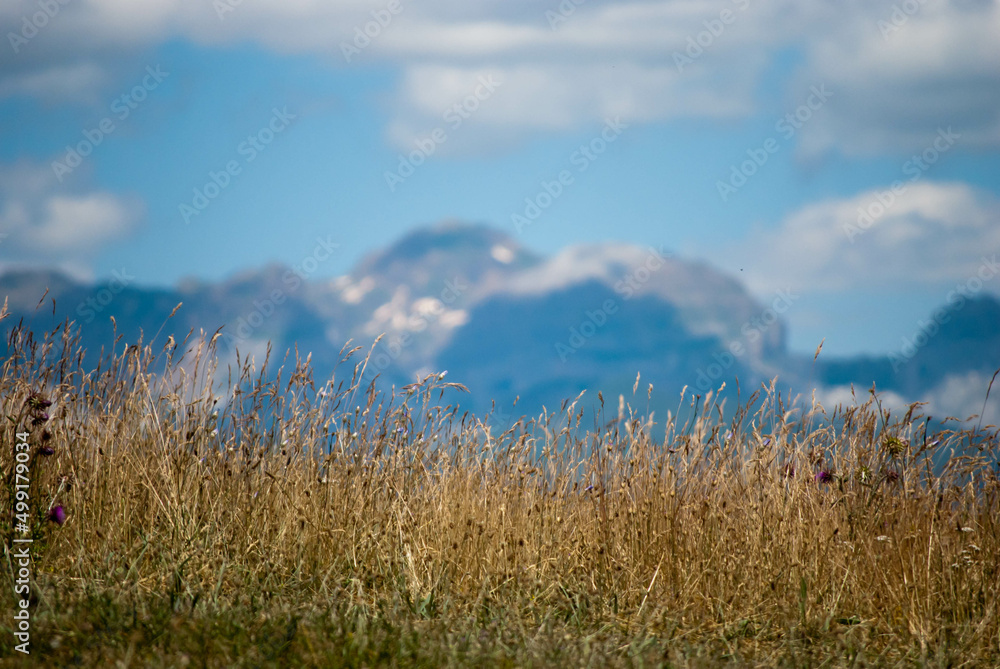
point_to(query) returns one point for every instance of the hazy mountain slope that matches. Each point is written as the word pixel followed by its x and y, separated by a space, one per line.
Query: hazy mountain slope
pixel 966 341
pixel 550 346
pixel 708 302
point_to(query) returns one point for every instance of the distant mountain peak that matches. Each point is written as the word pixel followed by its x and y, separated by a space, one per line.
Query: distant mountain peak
pixel 447 241
pixel 449 251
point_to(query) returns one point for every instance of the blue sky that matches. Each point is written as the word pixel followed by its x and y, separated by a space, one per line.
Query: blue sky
pixel 697 88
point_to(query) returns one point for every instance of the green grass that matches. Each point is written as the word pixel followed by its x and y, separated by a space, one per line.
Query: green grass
pixel 360 529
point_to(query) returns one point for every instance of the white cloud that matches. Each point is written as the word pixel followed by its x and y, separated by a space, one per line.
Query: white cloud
pixel 937 69
pixel 964 395
pixel 536 98
pixel 929 234
pixel 46 223
pixel 77 82
pixel 75 222
pixel 899 77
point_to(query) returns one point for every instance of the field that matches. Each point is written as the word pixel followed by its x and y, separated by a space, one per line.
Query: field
pixel 298 521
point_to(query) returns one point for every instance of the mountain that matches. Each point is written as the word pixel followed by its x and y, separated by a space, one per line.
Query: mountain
pixel 472 300
pixel 961 339
pixel 948 363
pixel 551 345
pixel 508 323
pixel 417 291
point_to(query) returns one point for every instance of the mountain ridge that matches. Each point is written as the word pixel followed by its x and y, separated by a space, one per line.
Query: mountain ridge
pixel 509 322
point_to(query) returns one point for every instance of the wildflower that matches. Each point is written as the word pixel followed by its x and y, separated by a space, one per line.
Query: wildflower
pixel 37 401
pixel 823 476
pixel 36 404
pixel 46 450
pixel 57 515
pixel 442 374
pixel 895 446
pixel 892 476
pixel 767 441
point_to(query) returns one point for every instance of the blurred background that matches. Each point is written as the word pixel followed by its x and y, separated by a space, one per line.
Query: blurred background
pixel 539 197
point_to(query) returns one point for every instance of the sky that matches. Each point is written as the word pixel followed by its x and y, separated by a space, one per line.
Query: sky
pixel 846 152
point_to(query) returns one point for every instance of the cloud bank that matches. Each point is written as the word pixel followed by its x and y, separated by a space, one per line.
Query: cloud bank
pixel 900 69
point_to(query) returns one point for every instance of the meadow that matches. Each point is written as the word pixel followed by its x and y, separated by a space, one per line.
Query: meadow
pixel 294 521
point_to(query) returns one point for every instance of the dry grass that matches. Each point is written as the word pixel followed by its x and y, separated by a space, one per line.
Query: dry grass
pixel 355 528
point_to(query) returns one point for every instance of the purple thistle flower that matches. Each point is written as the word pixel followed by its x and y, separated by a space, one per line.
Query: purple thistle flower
pixel 823 476
pixel 37 401
pixel 57 515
